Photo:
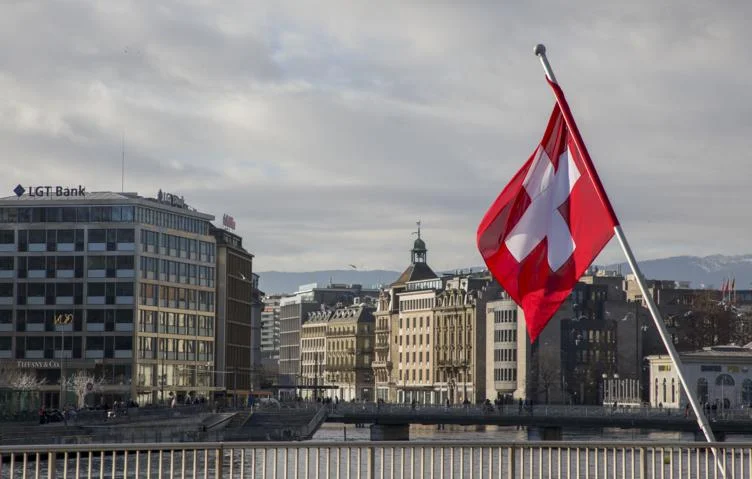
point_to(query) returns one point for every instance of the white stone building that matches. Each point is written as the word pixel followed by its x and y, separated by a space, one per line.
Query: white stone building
pixel 719 375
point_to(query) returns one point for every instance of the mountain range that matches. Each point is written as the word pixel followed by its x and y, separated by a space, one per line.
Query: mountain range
pixel 701 272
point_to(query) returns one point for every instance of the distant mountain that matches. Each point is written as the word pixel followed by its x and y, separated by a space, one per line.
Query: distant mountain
pixel 702 272
pixel 276 282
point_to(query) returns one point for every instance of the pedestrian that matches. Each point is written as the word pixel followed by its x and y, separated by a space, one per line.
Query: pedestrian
pixel 686 411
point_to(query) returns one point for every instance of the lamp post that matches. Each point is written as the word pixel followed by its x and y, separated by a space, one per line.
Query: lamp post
pixel 62 320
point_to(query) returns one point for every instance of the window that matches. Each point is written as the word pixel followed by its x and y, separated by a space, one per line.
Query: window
pixel 7 237
pixel 702 389
pixel 724 380
pixel 746 390
pixel 97 236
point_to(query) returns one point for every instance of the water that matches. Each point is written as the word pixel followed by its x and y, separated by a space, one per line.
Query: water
pixel 340 432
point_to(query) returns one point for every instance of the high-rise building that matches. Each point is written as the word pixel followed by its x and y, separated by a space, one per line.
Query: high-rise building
pixel 270 328
pixel 114 284
pixel 236 287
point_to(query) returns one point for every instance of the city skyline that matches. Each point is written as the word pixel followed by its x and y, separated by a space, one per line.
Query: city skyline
pixel 327 132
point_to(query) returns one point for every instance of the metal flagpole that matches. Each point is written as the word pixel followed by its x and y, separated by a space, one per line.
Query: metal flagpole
pixel 540 52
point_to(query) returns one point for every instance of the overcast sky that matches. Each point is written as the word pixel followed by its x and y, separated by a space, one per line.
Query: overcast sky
pixel 328 128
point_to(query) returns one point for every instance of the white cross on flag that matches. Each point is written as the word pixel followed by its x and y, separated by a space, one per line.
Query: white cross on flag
pixel 549 223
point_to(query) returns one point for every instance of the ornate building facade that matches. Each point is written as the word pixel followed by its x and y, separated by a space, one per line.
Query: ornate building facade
pixel 349 353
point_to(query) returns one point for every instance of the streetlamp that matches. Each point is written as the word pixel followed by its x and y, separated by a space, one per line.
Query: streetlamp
pixel 62 320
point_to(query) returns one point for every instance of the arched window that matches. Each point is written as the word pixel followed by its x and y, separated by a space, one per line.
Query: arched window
pixel 656 390
pixel 664 390
pixel 747 391
pixel 724 380
pixel 702 390
pixel 673 390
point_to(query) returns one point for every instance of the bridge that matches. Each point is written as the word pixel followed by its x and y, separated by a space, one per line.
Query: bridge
pixel 392 421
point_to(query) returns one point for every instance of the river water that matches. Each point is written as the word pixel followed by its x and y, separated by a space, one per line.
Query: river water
pixel 339 432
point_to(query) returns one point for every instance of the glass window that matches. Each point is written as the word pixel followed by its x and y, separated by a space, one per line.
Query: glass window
pixel 65 236
pixel 6 290
pixel 124 289
pixel 125 262
pixel 65 262
pixel 96 289
pixel 126 214
pixel 97 236
pixel 6 263
pixel 126 236
pixel 7 237
pixel 68 214
pixel 37 262
pixel 37 236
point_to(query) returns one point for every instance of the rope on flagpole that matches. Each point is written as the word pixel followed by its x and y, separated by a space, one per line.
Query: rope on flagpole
pixel 540 52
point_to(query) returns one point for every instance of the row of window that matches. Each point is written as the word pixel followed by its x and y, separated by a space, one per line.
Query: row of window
pixel 25 291
pixel 175 323
pixel 505 316
pixel 505 354
pixel 105 214
pixel 417 340
pixel 410 375
pixel 419 357
pixel 505 336
pixel 176 272
pixel 505 374
pixel 99 239
pixel 181 298
pixel 178 349
pixel 55 266
pixel 67 214
pixel 173 221
pixel 416 304
pixel 416 322
pixel 177 246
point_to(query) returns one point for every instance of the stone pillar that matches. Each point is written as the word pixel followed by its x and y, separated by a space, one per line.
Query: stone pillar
pixel 390 432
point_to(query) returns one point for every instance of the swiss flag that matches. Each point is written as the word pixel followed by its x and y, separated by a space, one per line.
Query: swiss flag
pixel 549 223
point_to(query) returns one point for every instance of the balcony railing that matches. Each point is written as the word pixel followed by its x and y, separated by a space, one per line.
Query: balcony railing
pixel 597 460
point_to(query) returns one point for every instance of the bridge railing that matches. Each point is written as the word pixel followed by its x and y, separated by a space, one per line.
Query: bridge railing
pixel 644 460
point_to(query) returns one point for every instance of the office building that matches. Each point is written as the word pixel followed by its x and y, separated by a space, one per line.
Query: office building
pixel 236 293
pixel 115 284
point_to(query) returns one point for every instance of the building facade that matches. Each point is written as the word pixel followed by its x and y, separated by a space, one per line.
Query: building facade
pixel 503 320
pixel 313 353
pixel 236 293
pixel 721 376
pixel 114 284
pixel 294 311
pixel 349 353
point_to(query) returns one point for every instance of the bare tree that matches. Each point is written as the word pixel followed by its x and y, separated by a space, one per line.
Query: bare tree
pixel 708 323
pixel 82 382
pixel 19 380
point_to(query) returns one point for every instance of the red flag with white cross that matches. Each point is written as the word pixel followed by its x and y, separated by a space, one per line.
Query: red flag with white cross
pixel 549 223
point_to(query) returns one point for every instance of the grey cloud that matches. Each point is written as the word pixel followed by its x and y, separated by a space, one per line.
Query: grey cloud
pixel 328 130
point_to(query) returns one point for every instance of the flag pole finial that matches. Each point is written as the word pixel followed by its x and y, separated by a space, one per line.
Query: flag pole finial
pixel 540 52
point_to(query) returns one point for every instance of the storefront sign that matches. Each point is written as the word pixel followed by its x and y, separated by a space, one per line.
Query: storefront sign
pixel 42 364
pixel 49 190
pixel 171 199
pixel 228 221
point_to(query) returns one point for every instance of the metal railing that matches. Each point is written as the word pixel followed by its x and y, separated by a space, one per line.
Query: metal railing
pixel 643 460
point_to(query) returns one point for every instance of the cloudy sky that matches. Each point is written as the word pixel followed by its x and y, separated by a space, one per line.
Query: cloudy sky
pixel 328 128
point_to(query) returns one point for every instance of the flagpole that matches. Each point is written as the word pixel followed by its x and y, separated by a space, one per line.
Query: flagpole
pixel 540 52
